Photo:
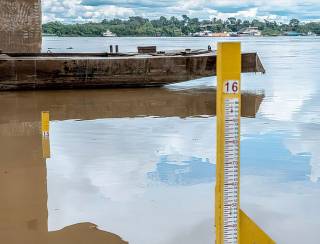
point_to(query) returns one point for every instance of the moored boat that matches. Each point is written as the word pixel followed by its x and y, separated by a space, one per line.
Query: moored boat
pixel 108 33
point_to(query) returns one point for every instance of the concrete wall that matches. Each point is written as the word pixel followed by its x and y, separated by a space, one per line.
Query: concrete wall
pixel 20 26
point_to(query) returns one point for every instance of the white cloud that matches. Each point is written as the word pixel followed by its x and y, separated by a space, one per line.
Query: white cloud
pixel 73 10
pixel 95 10
pixel 107 178
pixel 248 14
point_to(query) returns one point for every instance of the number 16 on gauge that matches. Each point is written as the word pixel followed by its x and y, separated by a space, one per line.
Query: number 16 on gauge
pixel 231 87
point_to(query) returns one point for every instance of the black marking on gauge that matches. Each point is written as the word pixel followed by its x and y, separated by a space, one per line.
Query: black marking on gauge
pixel 231 170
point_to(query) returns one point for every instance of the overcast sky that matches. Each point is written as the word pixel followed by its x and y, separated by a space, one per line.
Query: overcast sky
pixel 96 10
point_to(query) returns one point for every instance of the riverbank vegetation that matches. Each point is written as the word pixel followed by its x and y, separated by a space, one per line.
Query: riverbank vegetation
pixel 138 26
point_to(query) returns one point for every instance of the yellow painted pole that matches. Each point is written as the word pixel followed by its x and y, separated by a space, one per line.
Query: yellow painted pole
pixel 45 127
pixel 228 141
pixel 45 120
pixel 233 226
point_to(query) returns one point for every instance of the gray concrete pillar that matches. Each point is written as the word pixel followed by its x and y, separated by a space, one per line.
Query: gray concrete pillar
pixel 20 26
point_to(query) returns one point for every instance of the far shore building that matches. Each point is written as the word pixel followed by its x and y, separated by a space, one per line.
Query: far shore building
pixel 210 34
pixel 250 31
pixel 221 34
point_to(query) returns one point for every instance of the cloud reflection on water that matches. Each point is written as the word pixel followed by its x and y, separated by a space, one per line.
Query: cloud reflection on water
pixel 161 172
pixel 104 166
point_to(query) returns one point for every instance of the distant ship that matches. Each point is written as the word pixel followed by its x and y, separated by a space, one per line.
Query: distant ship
pixel 108 34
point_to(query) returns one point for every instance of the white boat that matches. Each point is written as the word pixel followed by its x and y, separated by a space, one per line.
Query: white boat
pixel 311 34
pixel 108 33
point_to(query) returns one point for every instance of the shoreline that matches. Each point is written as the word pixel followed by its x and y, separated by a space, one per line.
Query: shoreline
pixel 214 37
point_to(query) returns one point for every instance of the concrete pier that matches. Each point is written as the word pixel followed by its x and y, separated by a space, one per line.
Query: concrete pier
pixel 20 26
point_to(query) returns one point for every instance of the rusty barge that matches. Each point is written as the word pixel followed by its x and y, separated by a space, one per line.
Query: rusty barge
pixel 100 70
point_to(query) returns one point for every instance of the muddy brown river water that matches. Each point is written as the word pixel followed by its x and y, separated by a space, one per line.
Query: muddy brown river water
pixel 138 165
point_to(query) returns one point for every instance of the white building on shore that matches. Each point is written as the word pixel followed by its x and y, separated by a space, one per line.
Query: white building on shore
pixel 250 31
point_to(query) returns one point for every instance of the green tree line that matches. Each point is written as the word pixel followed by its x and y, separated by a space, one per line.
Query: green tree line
pixel 138 26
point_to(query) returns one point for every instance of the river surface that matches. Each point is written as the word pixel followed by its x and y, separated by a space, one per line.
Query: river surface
pixel 138 165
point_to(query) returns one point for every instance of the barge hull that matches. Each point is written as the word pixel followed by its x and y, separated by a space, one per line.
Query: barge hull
pixel 62 71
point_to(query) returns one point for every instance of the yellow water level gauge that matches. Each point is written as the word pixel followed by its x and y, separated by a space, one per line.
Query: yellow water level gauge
pixel 232 225
pixel 45 122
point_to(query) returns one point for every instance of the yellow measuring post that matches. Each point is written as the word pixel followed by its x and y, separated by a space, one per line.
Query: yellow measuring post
pixel 45 126
pixel 45 120
pixel 228 130
pixel 232 225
